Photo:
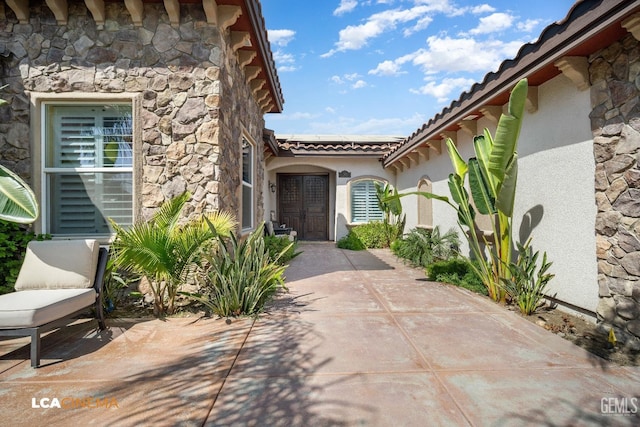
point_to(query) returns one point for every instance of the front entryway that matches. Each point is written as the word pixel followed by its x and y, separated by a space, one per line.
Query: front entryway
pixel 303 202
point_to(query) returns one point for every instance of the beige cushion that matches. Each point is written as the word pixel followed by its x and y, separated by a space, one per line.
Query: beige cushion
pixel 26 309
pixel 59 264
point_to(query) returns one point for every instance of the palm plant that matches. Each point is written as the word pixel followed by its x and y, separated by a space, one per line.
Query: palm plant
pixel 166 251
pixel 18 203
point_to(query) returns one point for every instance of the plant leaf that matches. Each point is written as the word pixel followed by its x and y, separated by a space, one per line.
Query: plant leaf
pixel 508 130
pixel 507 194
pixel 484 200
pixel 18 203
pixel 459 165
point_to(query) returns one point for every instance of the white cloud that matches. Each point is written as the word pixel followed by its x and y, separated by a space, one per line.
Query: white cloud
pixel 387 68
pixel 355 37
pixel 359 84
pixel 352 77
pixel 281 37
pixel 284 61
pixel 330 110
pixel 528 25
pixel 446 54
pixel 371 126
pixel 442 90
pixel 345 7
pixel 337 79
pixel 483 8
pixel 422 24
pixel 493 23
pixel 299 115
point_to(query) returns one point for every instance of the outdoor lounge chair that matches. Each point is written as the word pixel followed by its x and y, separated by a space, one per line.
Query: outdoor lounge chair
pixel 58 279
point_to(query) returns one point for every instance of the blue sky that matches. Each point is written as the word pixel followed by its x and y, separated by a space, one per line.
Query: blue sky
pixel 384 67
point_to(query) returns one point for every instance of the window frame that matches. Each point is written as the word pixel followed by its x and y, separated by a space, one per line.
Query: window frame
pixel 40 170
pixel 247 185
pixel 368 201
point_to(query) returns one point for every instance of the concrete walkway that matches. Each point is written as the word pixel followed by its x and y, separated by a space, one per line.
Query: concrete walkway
pixel 360 339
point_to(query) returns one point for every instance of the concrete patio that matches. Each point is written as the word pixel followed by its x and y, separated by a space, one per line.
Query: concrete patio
pixel 360 339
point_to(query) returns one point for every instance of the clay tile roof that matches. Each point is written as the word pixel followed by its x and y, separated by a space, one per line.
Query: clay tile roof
pixel 336 145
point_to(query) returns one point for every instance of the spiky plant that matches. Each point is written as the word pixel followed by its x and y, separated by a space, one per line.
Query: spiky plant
pixel 166 251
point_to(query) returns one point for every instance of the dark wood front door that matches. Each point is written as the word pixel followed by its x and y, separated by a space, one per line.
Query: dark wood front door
pixel 303 204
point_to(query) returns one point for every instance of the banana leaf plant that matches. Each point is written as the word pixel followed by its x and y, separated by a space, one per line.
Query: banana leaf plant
pixel 492 176
pixel 394 226
pixel 18 203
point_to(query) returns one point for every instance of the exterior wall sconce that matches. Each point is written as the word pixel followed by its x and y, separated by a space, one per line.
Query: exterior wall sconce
pixel 272 187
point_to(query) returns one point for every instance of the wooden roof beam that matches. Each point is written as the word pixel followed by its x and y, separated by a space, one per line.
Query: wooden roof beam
pixel 576 69
pixel 60 10
pixel 173 10
pixel 222 16
pixel 96 7
pixel 21 9
pixel 251 72
pixel 469 126
pixel 136 10
pixel 246 56
pixel 531 104
pixel 492 112
pixel 257 84
pixel 449 134
pixel 239 39
pixel 423 152
pixel 435 145
pixel 632 24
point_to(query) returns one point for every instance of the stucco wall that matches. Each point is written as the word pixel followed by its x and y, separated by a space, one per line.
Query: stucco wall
pixel 554 202
pixel 193 99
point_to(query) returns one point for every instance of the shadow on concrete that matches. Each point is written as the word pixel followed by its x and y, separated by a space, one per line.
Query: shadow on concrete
pixel 80 338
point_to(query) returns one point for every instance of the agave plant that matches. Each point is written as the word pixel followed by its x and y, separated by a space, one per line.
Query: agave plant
pixel 18 203
pixel 165 251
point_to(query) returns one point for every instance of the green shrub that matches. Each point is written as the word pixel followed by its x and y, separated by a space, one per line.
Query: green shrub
pixel 241 276
pixel 352 242
pixel 526 285
pixel 459 272
pixel 372 235
pixel 275 245
pixel 13 245
pixel 116 283
pixel 424 247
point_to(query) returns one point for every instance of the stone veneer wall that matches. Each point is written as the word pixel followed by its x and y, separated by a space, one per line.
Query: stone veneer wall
pixel 195 98
pixel 615 121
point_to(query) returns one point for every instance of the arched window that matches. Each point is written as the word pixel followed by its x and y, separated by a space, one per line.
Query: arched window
pixel 364 203
pixel 425 206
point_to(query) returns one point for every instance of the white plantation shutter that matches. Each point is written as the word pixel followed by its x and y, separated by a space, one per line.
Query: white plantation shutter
pixel 364 203
pixel 88 168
